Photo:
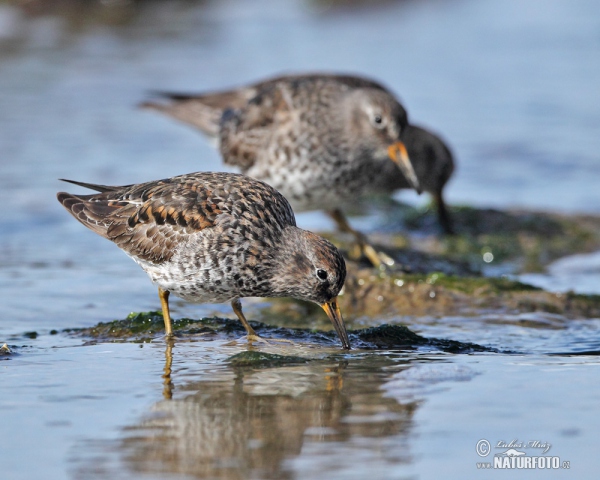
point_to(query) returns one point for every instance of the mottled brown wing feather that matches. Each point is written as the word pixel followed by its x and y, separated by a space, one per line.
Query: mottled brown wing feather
pixel 150 220
pixel 246 132
pixel 147 221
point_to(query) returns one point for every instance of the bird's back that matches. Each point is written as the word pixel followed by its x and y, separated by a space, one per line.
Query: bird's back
pixel 150 220
pixel 204 110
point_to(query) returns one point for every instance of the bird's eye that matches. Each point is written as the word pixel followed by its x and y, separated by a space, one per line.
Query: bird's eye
pixel 378 120
pixel 321 274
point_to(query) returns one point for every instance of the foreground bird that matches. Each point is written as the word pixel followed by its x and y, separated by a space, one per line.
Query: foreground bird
pixel 322 140
pixel 215 237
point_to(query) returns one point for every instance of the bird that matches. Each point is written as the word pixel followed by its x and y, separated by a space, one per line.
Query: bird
pixel 214 237
pixel 322 140
pixel 434 165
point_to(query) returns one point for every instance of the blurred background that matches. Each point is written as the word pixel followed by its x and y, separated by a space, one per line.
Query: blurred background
pixel 512 86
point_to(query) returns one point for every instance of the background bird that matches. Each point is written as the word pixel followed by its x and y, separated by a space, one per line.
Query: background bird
pixel 215 237
pixel 322 140
pixel 433 163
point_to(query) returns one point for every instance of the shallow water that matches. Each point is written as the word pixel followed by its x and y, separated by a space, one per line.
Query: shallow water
pixel 107 411
pixel 579 273
pixel 512 86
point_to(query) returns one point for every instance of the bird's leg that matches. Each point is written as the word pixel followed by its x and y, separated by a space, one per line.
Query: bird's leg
pixel 251 334
pixel 378 259
pixel 443 215
pixel 164 303
pixel 237 308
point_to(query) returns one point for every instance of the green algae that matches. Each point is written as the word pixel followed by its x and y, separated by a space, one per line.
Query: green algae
pixel 527 240
pixel 134 324
pixel 436 294
pixel 367 296
pixel 141 328
pixel 400 337
pixel 389 336
pixel 530 239
pixel 471 284
pixel 142 325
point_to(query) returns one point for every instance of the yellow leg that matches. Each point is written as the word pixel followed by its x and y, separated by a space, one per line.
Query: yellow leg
pixel 164 303
pixel 237 308
pixel 378 259
pixel 251 334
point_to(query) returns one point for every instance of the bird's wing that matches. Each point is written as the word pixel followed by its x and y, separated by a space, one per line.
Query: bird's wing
pixel 282 107
pixel 147 220
pixel 150 220
pixel 246 133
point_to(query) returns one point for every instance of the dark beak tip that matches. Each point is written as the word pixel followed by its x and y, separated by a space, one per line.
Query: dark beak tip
pixel 336 318
pixel 343 336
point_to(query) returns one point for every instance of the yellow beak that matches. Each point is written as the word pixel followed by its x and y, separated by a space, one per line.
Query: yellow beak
pixel 397 152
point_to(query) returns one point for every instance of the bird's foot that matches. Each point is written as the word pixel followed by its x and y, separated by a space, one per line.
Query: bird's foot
pixel 251 338
pixel 380 260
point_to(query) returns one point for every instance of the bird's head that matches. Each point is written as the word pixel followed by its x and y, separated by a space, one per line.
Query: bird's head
pixel 308 267
pixel 378 123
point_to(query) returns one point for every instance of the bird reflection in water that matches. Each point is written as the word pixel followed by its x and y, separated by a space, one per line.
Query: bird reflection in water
pixel 247 422
pixel 167 383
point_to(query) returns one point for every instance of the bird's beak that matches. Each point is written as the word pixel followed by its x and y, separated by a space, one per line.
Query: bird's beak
pixel 397 152
pixel 333 312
